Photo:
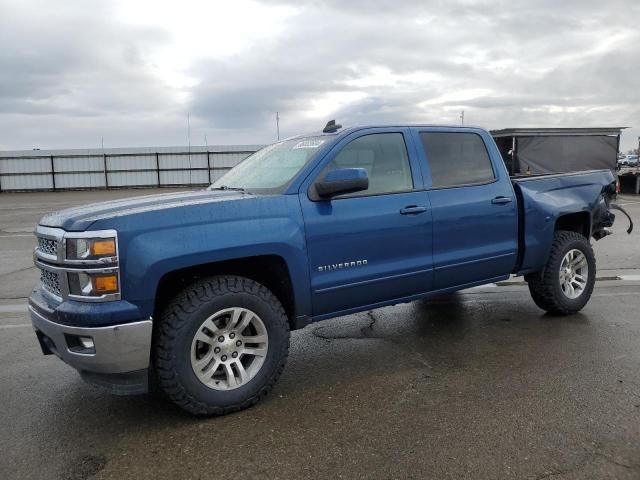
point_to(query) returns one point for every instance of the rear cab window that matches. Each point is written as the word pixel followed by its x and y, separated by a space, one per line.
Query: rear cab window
pixel 456 159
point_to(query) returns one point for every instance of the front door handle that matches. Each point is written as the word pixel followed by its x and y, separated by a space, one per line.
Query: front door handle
pixel 501 200
pixel 413 210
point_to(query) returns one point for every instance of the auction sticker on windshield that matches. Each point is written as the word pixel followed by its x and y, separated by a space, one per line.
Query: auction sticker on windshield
pixel 311 143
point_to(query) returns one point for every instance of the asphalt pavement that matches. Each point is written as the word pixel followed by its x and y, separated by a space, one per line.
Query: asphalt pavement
pixel 478 385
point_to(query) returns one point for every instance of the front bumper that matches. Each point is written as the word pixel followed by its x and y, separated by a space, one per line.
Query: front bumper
pixel 120 360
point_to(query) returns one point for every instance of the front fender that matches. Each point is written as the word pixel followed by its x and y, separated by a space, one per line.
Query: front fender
pixel 159 243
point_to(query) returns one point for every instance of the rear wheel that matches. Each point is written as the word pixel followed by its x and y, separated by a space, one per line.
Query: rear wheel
pixel 565 284
pixel 221 345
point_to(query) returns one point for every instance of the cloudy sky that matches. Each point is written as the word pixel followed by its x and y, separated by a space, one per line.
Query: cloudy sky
pixel 74 71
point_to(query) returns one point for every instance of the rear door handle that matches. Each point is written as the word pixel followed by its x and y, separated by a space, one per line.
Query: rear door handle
pixel 413 210
pixel 501 200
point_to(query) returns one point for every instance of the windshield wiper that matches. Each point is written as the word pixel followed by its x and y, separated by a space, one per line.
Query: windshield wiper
pixel 227 187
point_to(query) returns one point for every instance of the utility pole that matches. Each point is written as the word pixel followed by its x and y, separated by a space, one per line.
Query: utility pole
pixel 462 117
pixel 277 125
pixel 206 144
pixel 189 144
pixel 189 135
pixel 104 163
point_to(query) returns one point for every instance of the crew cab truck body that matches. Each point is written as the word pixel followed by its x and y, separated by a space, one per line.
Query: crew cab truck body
pixel 202 288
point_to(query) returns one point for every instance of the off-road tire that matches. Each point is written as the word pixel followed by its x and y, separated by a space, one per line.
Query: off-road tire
pixel 544 286
pixel 184 315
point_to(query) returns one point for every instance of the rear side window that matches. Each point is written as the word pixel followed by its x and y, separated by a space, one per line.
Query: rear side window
pixel 383 156
pixel 456 158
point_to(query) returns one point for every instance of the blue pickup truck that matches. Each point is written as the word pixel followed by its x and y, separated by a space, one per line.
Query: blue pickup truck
pixel 196 292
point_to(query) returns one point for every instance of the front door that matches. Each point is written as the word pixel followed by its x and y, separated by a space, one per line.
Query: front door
pixel 371 246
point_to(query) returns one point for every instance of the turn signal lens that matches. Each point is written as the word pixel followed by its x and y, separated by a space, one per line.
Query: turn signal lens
pixel 101 248
pixel 105 283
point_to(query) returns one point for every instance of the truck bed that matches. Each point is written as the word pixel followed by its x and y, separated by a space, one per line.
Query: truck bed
pixel 543 198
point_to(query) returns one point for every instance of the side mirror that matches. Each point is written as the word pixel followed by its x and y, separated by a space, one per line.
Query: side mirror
pixel 342 181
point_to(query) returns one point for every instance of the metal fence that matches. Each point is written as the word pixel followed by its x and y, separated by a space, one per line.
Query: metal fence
pixel 117 167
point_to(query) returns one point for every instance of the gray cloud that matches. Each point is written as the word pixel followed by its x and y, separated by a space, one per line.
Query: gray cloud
pixel 67 80
pixel 65 68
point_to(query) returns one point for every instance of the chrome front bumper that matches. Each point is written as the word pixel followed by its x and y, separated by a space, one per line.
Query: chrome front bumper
pixel 119 349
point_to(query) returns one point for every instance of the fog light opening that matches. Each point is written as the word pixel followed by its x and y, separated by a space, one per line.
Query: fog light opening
pixel 80 344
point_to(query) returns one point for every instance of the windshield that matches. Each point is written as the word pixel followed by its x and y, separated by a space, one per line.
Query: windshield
pixel 272 167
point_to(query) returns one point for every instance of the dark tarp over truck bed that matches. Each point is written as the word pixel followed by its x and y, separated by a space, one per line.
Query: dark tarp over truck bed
pixel 558 150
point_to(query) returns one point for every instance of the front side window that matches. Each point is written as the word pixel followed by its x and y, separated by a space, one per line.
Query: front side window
pixel 383 156
pixel 456 158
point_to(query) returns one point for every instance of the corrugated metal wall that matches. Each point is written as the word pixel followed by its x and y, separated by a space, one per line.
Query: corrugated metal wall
pixel 118 167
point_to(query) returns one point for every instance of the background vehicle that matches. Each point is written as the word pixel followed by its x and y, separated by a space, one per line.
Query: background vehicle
pixel 202 288
pixel 628 161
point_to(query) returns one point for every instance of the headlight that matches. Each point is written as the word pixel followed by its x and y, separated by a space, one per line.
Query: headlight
pixel 91 249
pixel 97 253
pixel 92 284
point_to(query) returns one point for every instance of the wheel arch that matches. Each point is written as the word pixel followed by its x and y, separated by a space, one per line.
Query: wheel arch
pixel 271 271
pixel 579 222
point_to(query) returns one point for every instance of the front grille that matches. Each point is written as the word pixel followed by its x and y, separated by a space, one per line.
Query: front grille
pixel 48 246
pixel 51 281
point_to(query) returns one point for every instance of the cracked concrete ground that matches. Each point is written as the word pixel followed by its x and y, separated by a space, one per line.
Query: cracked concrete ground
pixel 477 385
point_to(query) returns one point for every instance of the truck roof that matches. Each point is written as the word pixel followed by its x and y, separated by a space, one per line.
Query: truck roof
pixel 346 130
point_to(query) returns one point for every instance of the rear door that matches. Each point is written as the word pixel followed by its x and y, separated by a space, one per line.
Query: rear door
pixel 474 209
pixel 372 246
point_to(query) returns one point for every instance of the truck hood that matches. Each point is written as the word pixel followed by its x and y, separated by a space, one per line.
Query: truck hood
pixel 80 218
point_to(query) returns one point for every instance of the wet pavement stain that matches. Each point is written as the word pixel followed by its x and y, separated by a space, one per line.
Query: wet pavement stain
pixel 84 467
pixel 354 332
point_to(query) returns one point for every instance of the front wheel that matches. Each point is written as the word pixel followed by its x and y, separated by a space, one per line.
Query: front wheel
pixel 566 282
pixel 221 345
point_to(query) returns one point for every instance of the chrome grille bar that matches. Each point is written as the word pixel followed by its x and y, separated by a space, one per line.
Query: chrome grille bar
pixel 49 257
